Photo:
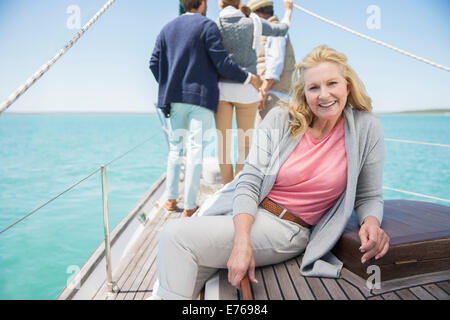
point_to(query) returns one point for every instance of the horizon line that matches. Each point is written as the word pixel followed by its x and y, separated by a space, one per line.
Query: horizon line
pixel 431 110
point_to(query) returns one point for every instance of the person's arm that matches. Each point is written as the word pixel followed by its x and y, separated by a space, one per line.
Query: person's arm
pixel 241 261
pixel 223 63
pixel 154 60
pixel 275 52
pixel 369 199
pixel 288 6
pixel 279 29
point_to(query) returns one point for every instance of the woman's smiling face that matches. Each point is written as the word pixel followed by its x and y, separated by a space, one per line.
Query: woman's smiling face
pixel 326 91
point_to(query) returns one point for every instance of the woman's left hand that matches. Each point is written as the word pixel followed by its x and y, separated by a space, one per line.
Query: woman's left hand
pixel 374 241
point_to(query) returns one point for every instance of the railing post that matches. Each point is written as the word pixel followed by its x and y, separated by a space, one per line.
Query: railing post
pixel 110 283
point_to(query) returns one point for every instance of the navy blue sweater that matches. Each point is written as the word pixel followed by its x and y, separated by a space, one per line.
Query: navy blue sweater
pixel 187 60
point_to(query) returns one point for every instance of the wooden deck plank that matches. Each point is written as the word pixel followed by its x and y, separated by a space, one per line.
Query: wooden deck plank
pixel 376 298
pixel 143 268
pixel 144 249
pixel 334 289
pixel 148 258
pixel 444 286
pixel 405 294
pixel 287 288
pixel 145 288
pixel 421 293
pixel 350 290
pixel 259 290
pixel 270 280
pixel 300 284
pixel 318 288
pixel 436 292
pixel 356 281
pixel 132 256
pixel 128 290
pixel 390 296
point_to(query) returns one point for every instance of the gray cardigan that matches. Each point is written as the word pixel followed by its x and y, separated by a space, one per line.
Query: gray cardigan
pixel 364 144
pixel 237 38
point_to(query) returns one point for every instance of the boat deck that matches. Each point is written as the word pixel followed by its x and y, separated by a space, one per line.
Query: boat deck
pixel 136 275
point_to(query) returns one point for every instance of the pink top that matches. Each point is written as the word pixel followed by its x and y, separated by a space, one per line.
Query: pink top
pixel 314 176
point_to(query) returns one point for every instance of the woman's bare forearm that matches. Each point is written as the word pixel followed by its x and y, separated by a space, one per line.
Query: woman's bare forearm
pixel 242 227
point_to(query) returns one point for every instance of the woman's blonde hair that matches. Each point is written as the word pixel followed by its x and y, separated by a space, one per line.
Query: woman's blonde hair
pixel 302 115
pixel 237 4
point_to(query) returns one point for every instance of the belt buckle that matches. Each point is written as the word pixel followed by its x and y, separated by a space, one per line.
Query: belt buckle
pixel 282 213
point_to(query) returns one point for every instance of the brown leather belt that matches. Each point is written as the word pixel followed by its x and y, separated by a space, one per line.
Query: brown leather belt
pixel 277 210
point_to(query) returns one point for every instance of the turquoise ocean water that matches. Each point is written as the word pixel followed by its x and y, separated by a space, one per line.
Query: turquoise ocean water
pixel 42 155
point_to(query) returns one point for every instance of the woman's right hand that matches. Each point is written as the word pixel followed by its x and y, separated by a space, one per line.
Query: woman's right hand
pixel 241 263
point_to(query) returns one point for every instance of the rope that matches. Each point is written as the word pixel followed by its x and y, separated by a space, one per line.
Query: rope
pixel 21 90
pixel 373 39
pixel 419 142
pixel 76 184
pixel 416 194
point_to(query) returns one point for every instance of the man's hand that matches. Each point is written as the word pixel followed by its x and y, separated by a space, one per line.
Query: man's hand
pixel 374 241
pixel 255 81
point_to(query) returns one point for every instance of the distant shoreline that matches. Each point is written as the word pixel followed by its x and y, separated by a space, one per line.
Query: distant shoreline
pixel 412 112
pixel 79 113
pixel 429 111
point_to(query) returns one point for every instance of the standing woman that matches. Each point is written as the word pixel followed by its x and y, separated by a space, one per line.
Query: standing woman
pixel 241 32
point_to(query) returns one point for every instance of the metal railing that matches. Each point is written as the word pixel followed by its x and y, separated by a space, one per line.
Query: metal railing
pixel 110 283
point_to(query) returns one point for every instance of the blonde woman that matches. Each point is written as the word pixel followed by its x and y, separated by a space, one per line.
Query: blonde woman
pixel 312 164
pixel 241 32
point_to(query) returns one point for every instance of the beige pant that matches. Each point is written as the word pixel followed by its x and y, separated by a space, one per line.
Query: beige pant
pixel 191 250
pixel 245 119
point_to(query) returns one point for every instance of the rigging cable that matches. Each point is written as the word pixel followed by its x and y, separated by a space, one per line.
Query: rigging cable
pixel 419 142
pixel 22 89
pixel 372 39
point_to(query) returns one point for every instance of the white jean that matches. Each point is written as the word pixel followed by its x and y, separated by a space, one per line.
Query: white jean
pixel 187 125
pixel 191 250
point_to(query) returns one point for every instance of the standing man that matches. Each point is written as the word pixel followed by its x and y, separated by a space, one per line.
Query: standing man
pixel 187 59
pixel 276 62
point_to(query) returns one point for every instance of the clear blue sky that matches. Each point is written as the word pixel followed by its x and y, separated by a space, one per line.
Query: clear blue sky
pixel 107 70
